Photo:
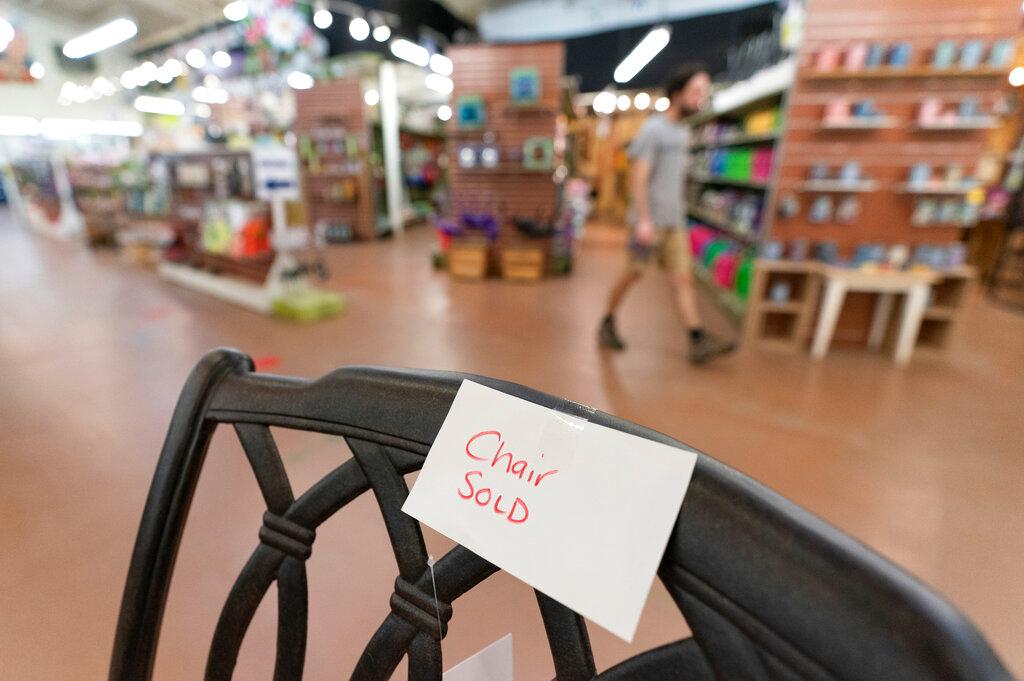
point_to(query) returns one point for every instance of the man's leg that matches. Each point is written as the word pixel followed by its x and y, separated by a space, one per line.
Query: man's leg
pixel 678 262
pixel 607 335
pixel 622 285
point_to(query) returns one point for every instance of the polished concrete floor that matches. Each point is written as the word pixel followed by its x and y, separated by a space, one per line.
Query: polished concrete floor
pixel 923 464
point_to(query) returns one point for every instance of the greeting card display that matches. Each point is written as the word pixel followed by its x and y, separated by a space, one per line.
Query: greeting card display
pixel 538 153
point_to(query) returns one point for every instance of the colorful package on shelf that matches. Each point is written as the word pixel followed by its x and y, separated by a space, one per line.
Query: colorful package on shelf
pixel 713 250
pixel 761 122
pixel 700 237
pixel 238 229
pixel 761 165
pixel 738 164
pixel 744 275
pixel 717 161
pixel 725 267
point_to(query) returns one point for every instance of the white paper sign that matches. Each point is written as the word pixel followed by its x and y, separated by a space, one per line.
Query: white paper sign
pixel 275 173
pixel 576 510
pixel 493 663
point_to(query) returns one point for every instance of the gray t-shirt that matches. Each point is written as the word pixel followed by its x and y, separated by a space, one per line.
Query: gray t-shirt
pixel 666 145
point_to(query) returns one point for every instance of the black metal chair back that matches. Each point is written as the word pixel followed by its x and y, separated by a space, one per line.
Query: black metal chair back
pixel 770 592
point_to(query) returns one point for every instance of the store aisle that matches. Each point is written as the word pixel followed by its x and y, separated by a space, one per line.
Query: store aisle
pixel 922 464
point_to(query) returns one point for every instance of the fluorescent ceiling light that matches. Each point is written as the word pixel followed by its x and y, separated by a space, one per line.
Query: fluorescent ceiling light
pixel 195 58
pixel 210 95
pixel 165 106
pixel 37 70
pixel 661 104
pixel 358 28
pixel 641 101
pixel 147 73
pixel 323 18
pixel 221 59
pixel 19 125
pixel 441 64
pixel 117 128
pixel 99 39
pixel 439 83
pixel 65 128
pixel 371 97
pixel 410 52
pixel 652 43
pixel 6 34
pixel 444 112
pixel 174 67
pixel 236 11
pixel 102 86
pixel 382 33
pixel 300 80
pixel 129 80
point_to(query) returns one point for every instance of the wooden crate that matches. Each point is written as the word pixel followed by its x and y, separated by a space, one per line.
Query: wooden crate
pixel 467 258
pixel 522 263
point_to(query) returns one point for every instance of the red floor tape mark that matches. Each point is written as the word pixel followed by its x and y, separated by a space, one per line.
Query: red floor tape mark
pixel 266 362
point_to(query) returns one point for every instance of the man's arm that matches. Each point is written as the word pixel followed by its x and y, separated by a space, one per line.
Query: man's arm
pixel 639 174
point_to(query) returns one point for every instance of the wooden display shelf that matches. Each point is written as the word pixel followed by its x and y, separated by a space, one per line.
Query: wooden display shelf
pixel 717 179
pixel 907 188
pixel 737 141
pixel 861 123
pixel 722 225
pixel 542 109
pixel 840 187
pixel 978 123
pixel 910 72
pixel 782 325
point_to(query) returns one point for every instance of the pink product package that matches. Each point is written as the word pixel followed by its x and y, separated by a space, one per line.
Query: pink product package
pixel 930 111
pixel 837 110
pixel 725 269
pixel 762 164
pixel 699 238
pixel 856 56
pixel 827 58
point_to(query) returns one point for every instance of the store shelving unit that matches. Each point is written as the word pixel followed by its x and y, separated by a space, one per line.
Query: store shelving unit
pixel 765 89
pixel 99 198
pixel 782 325
pixel 907 188
pixel 886 154
pixel 1007 283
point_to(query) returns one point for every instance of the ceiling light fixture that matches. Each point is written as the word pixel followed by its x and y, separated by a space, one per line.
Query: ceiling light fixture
pixel 439 83
pixel 382 33
pixel 410 52
pixel 444 112
pixel 221 59
pixel 651 44
pixel 164 106
pixel 300 80
pixel 604 102
pixel 661 104
pixel 65 128
pixel 21 126
pixel 371 97
pixel 236 11
pixel 641 101
pixel 358 28
pixel 195 58
pixel 623 102
pixel 117 128
pixel 129 80
pixel 101 38
pixel 104 87
pixel 37 70
pixel 6 34
pixel 203 110
pixel 441 64
pixel 1017 76
pixel 323 18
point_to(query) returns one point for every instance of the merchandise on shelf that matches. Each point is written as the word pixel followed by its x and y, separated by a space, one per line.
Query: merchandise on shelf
pixel 236 229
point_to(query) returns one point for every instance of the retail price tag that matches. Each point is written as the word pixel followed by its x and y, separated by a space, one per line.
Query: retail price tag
pixel 493 663
pixel 576 510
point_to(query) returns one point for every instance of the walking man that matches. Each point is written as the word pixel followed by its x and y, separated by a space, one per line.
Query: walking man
pixel 659 157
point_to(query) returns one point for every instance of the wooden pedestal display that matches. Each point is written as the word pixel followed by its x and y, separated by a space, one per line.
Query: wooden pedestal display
pixel 468 258
pixel 783 324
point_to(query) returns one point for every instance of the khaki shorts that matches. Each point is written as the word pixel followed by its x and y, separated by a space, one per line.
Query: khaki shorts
pixel 671 251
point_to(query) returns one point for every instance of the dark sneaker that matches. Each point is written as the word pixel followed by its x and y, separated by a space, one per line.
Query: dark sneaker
pixel 607 336
pixel 709 347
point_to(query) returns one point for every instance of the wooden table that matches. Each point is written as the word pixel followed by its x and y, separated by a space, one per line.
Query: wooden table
pixel 888 285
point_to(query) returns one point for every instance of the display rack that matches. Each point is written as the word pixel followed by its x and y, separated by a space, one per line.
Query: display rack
pixel 335 158
pixel 1007 283
pixel 99 198
pixel 725 129
pixel 782 324
pixel 512 188
pixel 884 153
